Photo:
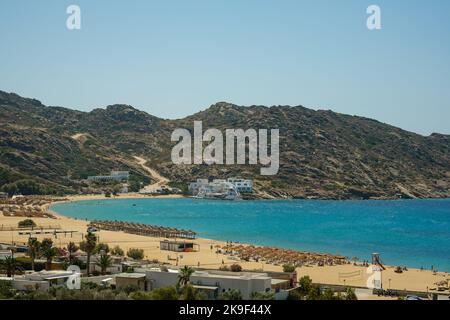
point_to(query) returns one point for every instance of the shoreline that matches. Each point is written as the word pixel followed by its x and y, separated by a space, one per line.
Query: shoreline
pixel 322 251
pixel 413 279
pixel 93 197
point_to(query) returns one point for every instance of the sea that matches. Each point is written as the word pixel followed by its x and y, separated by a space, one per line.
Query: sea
pixel 413 233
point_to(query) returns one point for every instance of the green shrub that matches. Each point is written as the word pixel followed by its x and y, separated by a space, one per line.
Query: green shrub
pixel 136 254
pixel 27 223
pixel 25 263
pixel 117 251
pixel 263 296
pixel 305 284
pixel 230 295
pixel 288 268
pixel 6 290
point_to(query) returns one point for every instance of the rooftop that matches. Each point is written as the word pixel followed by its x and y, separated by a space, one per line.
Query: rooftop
pixel 130 275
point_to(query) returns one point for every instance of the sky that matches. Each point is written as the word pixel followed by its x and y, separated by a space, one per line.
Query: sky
pixel 174 58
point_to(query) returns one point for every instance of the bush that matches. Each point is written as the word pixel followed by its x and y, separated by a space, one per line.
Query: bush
pixel 165 294
pixel 27 223
pixel 136 254
pixel 350 294
pixel 236 268
pixel 102 246
pixel 117 251
pixel 192 294
pixel 263 296
pixel 224 268
pixel 129 289
pixel 25 263
pixel 141 295
pixel 295 295
pixel 6 290
pixel 288 268
pixel 230 295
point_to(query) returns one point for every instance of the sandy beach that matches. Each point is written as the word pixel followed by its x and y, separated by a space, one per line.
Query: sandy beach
pixel 348 274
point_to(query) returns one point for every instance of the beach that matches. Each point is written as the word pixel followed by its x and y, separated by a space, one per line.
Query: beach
pixel 207 257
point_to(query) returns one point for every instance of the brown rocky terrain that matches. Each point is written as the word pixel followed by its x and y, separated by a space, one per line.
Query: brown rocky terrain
pixel 323 154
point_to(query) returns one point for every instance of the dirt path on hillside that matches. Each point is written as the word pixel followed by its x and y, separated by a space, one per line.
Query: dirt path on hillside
pixel 160 180
pixel 81 138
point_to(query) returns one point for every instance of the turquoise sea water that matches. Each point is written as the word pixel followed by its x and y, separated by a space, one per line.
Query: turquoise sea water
pixel 415 233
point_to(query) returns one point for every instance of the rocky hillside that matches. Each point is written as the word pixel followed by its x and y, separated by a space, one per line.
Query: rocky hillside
pixel 323 154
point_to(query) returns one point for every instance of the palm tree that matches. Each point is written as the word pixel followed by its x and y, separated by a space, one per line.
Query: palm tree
pixel 104 262
pixel 72 248
pixel 184 276
pixel 34 248
pixel 88 246
pixel 48 251
pixel 9 265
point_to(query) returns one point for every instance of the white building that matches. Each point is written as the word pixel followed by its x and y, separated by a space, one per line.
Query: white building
pixel 114 176
pixel 242 185
pixel 194 187
pixel 212 282
pixel 42 280
pixel 219 185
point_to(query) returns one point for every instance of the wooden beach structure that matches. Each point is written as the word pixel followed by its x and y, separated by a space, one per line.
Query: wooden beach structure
pixel 143 229
pixel 179 246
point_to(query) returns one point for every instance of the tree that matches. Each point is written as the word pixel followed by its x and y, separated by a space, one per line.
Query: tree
pixel 104 262
pixel 9 265
pixel 34 249
pixel 350 294
pixel 288 268
pixel 313 293
pixel 117 251
pixel 27 223
pixel 88 246
pixel 72 248
pixel 305 284
pixel 24 187
pixel 328 294
pixel 184 276
pixel 135 185
pixel 191 294
pixel 48 251
pixel 136 254
pixel 232 294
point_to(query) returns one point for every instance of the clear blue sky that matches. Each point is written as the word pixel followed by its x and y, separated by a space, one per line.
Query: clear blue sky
pixel 173 58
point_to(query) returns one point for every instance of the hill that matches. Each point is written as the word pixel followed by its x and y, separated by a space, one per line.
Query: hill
pixel 323 154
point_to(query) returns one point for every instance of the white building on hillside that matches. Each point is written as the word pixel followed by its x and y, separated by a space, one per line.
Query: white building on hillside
pixel 194 187
pixel 242 185
pixel 218 185
pixel 114 176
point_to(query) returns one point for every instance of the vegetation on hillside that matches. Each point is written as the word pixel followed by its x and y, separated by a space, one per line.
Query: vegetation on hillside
pixel 323 154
